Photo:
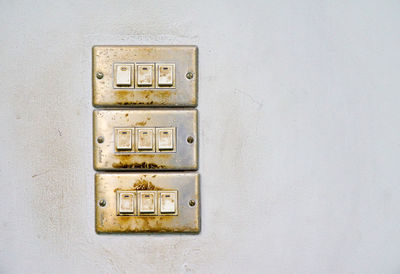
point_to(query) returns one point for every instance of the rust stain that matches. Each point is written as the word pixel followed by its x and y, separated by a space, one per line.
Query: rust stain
pixel 140 184
pixel 146 51
pixel 146 93
pixel 149 224
pixel 137 103
pixel 142 124
pixel 143 165
pixel 143 184
pixel 165 94
pixel 144 224
pixel 143 97
pixel 123 95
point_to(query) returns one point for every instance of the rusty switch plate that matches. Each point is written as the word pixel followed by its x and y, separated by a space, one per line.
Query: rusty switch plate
pixel 163 139
pixel 128 137
pixel 140 76
pixel 173 202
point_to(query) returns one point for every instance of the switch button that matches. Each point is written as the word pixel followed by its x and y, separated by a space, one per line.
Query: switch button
pixel 168 202
pixel 123 75
pixel 147 201
pixel 166 75
pixel 124 139
pixel 145 139
pixel 166 139
pixel 145 75
pixel 126 202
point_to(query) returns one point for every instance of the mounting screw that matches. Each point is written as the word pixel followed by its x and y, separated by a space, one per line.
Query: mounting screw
pixel 100 139
pixel 189 75
pixel 102 203
pixel 190 139
pixel 99 75
pixel 192 203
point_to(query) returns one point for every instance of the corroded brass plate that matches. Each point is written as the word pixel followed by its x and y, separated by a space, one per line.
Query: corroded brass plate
pixel 182 60
pixel 186 219
pixel 181 124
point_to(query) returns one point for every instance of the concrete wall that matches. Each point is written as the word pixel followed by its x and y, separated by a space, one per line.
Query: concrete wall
pixel 299 127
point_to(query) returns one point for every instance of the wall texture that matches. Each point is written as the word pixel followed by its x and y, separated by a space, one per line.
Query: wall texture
pixel 299 126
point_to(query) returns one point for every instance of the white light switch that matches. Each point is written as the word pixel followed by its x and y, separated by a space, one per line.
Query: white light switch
pixel 123 75
pixel 123 139
pixel 165 138
pixel 145 75
pixel 168 201
pixel 166 75
pixel 147 201
pixel 145 139
pixel 126 202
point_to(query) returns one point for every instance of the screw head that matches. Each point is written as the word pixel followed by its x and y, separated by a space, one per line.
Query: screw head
pixel 100 139
pixel 190 139
pixel 99 75
pixel 102 203
pixel 189 75
pixel 192 203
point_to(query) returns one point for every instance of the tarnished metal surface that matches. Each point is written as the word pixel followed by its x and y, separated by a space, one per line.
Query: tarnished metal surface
pixel 182 93
pixel 183 157
pixel 187 218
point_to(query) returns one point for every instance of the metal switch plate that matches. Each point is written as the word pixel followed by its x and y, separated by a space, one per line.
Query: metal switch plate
pixel 138 76
pixel 172 205
pixel 143 140
pixel 173 147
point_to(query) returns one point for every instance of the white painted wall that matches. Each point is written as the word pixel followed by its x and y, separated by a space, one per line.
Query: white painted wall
pixel 299 126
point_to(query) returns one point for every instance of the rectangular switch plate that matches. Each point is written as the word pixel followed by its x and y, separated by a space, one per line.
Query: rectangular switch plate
pixel 181 125
pixel 155 89
pixel 109 185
